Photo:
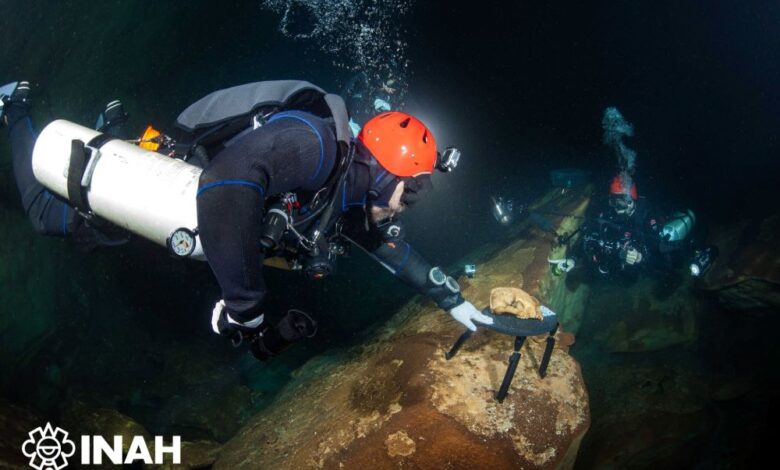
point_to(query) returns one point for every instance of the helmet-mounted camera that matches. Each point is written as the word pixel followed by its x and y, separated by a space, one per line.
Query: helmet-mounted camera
pixel 448 160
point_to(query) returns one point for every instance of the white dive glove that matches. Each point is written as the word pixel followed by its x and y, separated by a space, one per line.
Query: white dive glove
pixel 633 257
pixel 224 324
pixel 466 312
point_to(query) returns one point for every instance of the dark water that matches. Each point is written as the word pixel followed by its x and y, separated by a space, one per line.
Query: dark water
pixel 519 87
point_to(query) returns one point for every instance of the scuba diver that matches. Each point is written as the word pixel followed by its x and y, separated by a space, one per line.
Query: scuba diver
pixel 365 99
pixel 282 181
pixel 627 233
pixel 623 236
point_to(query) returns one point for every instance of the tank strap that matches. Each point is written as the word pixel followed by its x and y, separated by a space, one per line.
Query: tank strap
pixel 80 168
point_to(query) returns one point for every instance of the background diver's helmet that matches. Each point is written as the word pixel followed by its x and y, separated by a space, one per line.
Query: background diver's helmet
pixel 401 143
pixel 623 194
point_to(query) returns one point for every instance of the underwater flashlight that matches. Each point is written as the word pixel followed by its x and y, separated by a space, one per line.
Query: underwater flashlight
pixel 702 260
pixel 470 270
pixel 502 211
pixel 293 327
pixel 448 160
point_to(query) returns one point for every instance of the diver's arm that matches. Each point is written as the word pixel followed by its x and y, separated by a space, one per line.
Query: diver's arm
pixel 416 272
pixel 404 262
pixel 385 245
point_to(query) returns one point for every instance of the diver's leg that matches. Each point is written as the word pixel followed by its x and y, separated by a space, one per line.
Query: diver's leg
pixel 230 206
pixel 48 213
pixel 112 119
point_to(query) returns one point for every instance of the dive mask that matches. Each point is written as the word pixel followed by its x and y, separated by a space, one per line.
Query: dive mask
pixel 415 188
pixel 622 204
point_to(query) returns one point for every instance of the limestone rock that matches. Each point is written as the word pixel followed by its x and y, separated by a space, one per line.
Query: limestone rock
pixel 651 416
pixel 81 419
pixel 200 398
pixel 746 276
pixel 16 421
pixel 400 444
pixel 396 402
pixel 646 316
pixel 194 455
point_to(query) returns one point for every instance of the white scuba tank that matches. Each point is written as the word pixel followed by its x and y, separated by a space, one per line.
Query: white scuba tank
pixel 144 192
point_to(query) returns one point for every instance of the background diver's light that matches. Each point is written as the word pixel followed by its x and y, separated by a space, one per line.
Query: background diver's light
pixel 695 270
pixel 470 270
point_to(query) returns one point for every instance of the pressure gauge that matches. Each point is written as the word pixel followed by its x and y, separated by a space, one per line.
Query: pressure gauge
pixel 181 242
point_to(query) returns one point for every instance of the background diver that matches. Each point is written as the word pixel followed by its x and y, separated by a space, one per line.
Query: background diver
pixel 280 181
pixel 365 98
pixel 625 232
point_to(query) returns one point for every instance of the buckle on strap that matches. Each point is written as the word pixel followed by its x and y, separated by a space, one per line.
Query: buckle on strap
pixel 80 170
pixel 95 154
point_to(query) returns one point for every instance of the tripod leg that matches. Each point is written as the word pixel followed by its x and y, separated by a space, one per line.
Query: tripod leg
pixel 458 343
pixel 548 349
pixel 514 359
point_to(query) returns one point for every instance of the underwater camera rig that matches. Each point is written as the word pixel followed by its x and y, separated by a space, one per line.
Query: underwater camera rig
pixel 521 329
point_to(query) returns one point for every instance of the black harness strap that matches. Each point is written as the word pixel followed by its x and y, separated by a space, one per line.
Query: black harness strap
pixel 79 159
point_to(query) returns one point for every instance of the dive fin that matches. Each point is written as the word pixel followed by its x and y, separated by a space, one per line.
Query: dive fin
pixel 5 92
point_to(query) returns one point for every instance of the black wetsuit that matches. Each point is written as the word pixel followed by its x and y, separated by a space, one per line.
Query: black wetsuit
pixel 294 152
pixel 49 214
pixel 606 237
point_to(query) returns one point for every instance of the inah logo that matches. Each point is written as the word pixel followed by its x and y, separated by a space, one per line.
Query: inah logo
pixel 48 448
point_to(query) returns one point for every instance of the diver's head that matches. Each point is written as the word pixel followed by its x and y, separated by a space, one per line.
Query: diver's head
pixel 623 195
pixel 402 155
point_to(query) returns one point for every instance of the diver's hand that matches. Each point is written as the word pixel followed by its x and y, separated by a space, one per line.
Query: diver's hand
pixel 225 325
pixel 465 313
pixel 633 256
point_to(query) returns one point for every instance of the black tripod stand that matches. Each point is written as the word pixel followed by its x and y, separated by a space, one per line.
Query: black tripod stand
pixel 520 329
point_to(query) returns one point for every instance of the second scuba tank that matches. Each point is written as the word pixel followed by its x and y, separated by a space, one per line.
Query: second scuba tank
pixel 679 226
pixel 144 192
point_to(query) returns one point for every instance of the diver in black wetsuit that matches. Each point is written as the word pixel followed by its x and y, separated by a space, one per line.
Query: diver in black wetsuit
pixel 286 162
pixel 630 234
pixel 624 236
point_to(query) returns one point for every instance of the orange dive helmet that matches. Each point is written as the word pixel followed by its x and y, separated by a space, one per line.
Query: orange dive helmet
pixel 401 143
pixel 623 184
